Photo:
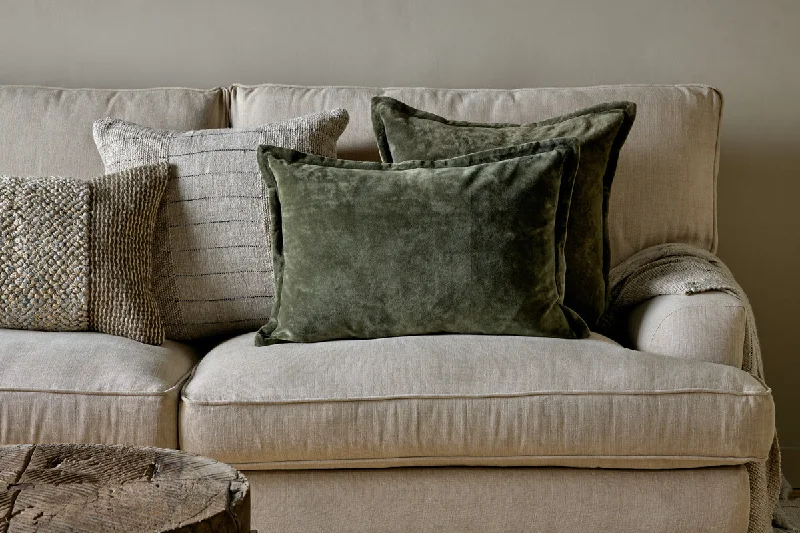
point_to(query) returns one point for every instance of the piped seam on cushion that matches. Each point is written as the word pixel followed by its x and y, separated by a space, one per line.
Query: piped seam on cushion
pixel 166 392
pixel 473 459
pixel 695 306
pixel 143 90
pixel 607 86
pixel 754 394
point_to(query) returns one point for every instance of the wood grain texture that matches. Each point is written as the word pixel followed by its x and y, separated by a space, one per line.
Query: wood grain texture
pixel 95 488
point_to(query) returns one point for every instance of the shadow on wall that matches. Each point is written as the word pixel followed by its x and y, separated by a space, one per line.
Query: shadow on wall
pixel 759 229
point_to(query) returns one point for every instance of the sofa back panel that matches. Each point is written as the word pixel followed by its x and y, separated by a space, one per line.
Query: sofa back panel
pixel 665 186
pixel 253 106
pixel 48 131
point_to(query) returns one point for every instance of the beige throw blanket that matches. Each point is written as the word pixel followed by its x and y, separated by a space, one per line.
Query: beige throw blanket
pixel 684 269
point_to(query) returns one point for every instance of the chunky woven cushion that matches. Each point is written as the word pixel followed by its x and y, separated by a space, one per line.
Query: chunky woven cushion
pixel 48 131
pixel 406 133
pixel 472 244
pixel 665 184
pixel 89 388
pixel 77 255
pixel 470 400
pixel 213 273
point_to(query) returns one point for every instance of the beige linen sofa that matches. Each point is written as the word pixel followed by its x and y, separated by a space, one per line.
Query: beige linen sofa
pixel 440 433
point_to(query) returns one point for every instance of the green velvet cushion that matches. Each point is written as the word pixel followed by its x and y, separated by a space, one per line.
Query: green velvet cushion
pixel 472 244
pixel 405 133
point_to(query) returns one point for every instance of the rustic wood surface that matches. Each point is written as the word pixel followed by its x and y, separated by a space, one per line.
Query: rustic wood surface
pixel 64 488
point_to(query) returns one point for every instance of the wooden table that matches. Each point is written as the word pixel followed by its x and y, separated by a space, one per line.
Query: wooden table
pixel 96 488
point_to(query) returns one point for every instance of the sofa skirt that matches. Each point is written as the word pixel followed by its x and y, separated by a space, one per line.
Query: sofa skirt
pixel 488 500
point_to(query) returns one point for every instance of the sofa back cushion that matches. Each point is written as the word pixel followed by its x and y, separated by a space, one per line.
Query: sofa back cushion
pixel 47 132
pixel 665 185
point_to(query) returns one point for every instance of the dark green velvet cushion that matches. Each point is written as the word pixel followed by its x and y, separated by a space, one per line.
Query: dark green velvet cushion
pixel 405 133
pixel 472 244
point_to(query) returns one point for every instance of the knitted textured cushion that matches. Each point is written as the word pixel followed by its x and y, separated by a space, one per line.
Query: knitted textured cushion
pixel 405 133
pixel 213 274
pixel 77 255
pixel 472 244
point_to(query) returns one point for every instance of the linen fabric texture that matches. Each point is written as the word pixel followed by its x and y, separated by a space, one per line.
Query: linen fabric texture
pixel 77 255
pixel 500 500
pixel 61 120
pixel 683 269
pixel 213 273
pixel 406 133
pixel 487 400
pixel 472 244
pixel 87 387
pixel 708 326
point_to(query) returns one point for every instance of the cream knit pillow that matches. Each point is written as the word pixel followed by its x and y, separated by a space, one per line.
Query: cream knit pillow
pixel 213 273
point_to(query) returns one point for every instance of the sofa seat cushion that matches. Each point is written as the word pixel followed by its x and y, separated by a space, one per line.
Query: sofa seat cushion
pixel 469 400
pixel 89 388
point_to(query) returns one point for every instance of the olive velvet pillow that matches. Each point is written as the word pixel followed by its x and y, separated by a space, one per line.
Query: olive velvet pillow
pixel 472 244
pixel 405 133
pixel 76 255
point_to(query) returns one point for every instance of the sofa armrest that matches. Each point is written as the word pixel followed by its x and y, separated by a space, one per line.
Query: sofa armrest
pixel 707 326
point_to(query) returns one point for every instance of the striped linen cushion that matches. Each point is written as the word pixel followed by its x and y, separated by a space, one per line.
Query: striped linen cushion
pixel 212 270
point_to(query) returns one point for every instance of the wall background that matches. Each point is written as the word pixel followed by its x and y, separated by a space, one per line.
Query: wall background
pixel 747 49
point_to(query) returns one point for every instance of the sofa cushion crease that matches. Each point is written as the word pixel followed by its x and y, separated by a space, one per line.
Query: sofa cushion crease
pixel 624 462
pixel 767 392
pixel 178 385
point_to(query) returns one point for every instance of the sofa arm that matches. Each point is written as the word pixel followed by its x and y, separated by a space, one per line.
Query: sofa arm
pixel 707 326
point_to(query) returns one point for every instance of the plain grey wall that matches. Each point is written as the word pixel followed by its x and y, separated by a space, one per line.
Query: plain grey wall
pixel 748 49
